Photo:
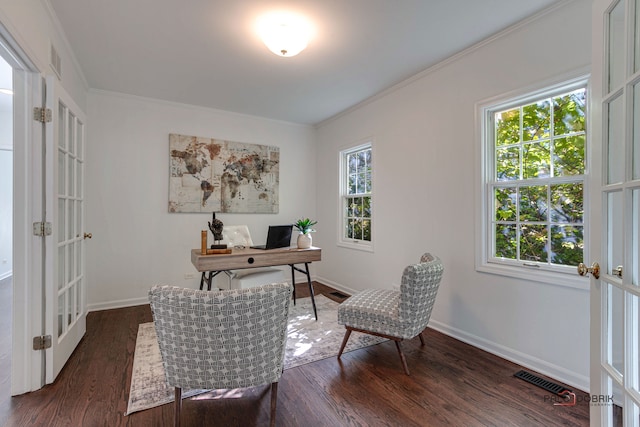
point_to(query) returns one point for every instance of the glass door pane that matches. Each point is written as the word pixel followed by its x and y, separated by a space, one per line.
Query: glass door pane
pixel 614 231
pixel 636 38
pixel 61 266
pixel 634 414
pixel 79 288
pixel 636 131
pixel 62 139
pixel 634 308
pixel 615 141
pixel 71 134
pixel 71 175
pixel 634 269
pixel 616 46
pixel 61 220
pixel 62 168
pixel 615 309
pixel 70 310
pixel 61 312
pixel 80 140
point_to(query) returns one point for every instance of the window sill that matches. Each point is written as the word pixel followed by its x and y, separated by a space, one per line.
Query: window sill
pixel 365 247
pixel 548 277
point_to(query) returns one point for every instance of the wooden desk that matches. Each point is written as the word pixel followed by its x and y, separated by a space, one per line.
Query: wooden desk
pixel 212 265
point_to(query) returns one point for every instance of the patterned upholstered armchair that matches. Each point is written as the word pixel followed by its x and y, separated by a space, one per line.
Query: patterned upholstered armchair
pixel 392 314
pixel 221 340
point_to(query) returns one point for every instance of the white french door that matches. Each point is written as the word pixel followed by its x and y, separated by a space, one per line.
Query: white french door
pixel 615 213
pixel 64 262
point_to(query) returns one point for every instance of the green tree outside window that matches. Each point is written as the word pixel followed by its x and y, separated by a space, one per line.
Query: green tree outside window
pixel 357 198
pixel 538 181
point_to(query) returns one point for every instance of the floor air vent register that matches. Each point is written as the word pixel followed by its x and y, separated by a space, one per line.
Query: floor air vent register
pixel 339 294
pixel 551 387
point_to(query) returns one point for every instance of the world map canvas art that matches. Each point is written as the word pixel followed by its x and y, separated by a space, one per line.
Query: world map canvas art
pixel 214 175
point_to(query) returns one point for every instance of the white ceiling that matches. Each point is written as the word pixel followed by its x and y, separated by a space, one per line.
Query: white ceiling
pixel 206 52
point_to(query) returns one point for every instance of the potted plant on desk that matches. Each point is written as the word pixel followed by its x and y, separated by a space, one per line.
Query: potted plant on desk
pixel 304 227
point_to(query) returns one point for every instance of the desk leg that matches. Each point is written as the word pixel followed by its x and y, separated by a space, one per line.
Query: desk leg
pixel 293 281
pixel 313 299
pixel 206 279
pixel 305 271
pixel 210 280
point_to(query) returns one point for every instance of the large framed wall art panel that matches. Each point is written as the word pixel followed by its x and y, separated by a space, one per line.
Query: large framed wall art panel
pixel 214 175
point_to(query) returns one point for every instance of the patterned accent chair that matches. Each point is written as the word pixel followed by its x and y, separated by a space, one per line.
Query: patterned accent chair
pixel 221 340
pixel 397 315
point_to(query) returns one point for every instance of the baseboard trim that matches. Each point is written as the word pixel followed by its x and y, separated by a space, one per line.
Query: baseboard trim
pixel 566 376
pixel 336 286
pixel 117 304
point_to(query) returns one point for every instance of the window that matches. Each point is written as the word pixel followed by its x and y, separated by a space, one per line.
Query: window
pixel 356 197
pixel 534 180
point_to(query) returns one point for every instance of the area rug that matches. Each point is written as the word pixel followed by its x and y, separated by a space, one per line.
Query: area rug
pixel 308 341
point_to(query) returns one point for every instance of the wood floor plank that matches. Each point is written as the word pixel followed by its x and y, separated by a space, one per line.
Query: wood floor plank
pixel 451 384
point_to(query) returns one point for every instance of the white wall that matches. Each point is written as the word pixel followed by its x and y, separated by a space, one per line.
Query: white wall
pixel 136 242
pixel 424 190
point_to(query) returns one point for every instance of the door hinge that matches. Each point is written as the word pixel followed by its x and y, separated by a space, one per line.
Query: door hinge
pixel 42 229
pixel 42 115
pixel 42 342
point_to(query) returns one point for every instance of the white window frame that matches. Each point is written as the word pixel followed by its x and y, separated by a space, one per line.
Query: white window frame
pixel 561 276
pixel 342 240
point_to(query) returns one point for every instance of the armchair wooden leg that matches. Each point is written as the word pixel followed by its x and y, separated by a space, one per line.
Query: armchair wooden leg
pixel 402 358
pixel 421 338
pixel 177 406
pixel 344 341
pixel 274 402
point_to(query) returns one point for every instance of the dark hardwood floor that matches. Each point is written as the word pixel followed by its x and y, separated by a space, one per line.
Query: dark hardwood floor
pixel 451 384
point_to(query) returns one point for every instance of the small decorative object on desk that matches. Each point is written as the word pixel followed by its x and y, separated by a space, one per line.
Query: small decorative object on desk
pixel 218 251
pixel 304 227
pixel 203 240
pixel 216 226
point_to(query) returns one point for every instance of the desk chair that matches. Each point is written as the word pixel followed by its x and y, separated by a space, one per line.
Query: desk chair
pixel 397 315
pixel 238 235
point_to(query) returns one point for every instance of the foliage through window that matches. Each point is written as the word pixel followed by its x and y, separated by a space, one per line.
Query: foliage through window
pixel 536 186
pixel 356 195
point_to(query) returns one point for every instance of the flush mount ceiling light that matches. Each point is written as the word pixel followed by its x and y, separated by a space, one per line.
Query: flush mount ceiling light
pixel 285 34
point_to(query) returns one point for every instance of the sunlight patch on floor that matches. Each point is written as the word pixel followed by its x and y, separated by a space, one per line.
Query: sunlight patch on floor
pixel 235 393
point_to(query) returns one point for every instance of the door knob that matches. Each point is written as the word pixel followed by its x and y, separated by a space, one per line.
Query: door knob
pixel 88 235
pixel 583 270
pixel 618 271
